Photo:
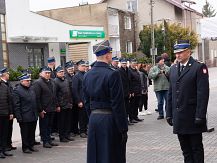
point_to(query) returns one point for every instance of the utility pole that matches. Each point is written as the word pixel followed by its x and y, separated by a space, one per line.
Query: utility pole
pixel 152 33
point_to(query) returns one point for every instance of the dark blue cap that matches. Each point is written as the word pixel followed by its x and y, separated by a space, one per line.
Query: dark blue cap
pixel 50 59
pixel 181 45
pixel 3 70
pixel 59 68
pixel 123 60
pixel 133 60
pixel 102 48
pixel 81 62
pixel 69 64
pixel 24 77
pixel 45 69
pixel 115 59
pixel 26 71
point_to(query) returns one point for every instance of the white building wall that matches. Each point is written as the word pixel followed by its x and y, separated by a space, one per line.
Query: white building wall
pixel 23 23
pixel 54 50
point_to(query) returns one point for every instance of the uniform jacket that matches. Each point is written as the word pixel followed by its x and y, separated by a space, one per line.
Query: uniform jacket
pixel 102 89
pixel 77 81
pixel 188 97
pixel 135 85
pixel 63 90
pixel 125 78
pixel 46 94
pixel 5 100
pixel 160 79
pixel 25 104
pixel 69 78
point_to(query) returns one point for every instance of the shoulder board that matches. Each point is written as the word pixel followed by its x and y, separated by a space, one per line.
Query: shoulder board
pixel 199 61
pixel 112 68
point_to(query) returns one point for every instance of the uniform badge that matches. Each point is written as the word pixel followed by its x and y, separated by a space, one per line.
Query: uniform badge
pixel 204 71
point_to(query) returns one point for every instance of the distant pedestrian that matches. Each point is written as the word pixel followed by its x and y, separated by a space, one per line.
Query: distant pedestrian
pixel 104 101
pixel 26 111
pixel 187 102
pixel 159 74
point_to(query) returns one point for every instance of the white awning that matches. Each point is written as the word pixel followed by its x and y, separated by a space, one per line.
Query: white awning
pixel 33 38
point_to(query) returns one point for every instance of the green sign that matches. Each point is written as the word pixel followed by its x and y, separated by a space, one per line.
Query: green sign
pixel 62 51
pixel 86 34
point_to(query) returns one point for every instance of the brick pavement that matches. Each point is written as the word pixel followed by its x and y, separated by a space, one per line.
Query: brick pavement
pixel 150 141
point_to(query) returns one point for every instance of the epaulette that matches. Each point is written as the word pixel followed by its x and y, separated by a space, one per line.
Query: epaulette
pixel 112 68
pixel 200 61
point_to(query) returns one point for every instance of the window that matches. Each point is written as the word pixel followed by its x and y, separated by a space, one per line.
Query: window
pixel 129 47
pixel 127 21
pixel 132 5
pixel 35 57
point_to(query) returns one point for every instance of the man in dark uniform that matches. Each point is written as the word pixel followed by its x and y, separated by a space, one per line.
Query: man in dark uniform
pixel 135 91
pixel 104 101
pixel 5 79
pixel 47 104
pixel 26 111
pixel 115 62
pixel 5 115
pixel 187 102
pixel 87 66
pixel 77 85
pixel 70 72
pixel 125 78
pixel 64 98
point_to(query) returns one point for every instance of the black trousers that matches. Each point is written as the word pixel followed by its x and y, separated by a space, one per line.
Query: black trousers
pixel 192 148
pixel 27 130
pixel 127 107
pixel 134 105
pixel 143 102
pixel 4 122
pixel 74 120
pixel 64 119
pixel 10 130
pixel 83 120
pixel 55 123
pixel 45 125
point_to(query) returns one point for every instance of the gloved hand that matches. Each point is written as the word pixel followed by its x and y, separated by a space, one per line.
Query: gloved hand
pixel 169 121
pixel 200 121
pixel 124 137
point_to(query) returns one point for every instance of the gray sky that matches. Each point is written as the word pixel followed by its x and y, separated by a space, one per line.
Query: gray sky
pixel 37 5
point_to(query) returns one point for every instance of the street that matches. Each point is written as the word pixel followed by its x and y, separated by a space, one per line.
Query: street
pixel 150 141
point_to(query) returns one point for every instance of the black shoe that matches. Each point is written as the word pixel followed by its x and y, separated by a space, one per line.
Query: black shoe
pixel 37 143
pixel 138 119
pixel 2 155
pixel 64 140
pixel 27 151
pixel 73 135
pixel 52 138
pixel 47 145
pixel 160 117
pixel 130 124
pixel 133 121
pixel 53 144
pixel 83 135
pixel 7 154
pixel 33 149
pixel 69 138
pixel 156 110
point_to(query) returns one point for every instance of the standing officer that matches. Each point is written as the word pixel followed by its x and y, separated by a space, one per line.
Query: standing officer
pixel 187 102
pixel 125 78
pixel 5 79
pixel 47 104
pixel 26 111
pixel 77 85
pixel 5 115
pixel 104 101
pixel 70 72
pixel 114 63
pixel 64 99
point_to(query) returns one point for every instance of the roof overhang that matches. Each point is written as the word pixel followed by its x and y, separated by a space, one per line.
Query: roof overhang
pixel 32 39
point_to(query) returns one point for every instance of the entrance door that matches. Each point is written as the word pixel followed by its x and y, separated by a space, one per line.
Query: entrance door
pixel 36 57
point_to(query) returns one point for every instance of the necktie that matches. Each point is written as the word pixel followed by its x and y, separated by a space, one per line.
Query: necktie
pixel 182 68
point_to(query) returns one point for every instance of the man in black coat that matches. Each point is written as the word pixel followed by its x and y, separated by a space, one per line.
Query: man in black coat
pixel 135 91
pixel 5 116
pixel 77 85
pixel 64 98
pixel 26 112
pixel 5 79
pixel 125 78
pixel 104 101
pixel 187 102
pixel 47 104
pixel 70 72
pixel 115 62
